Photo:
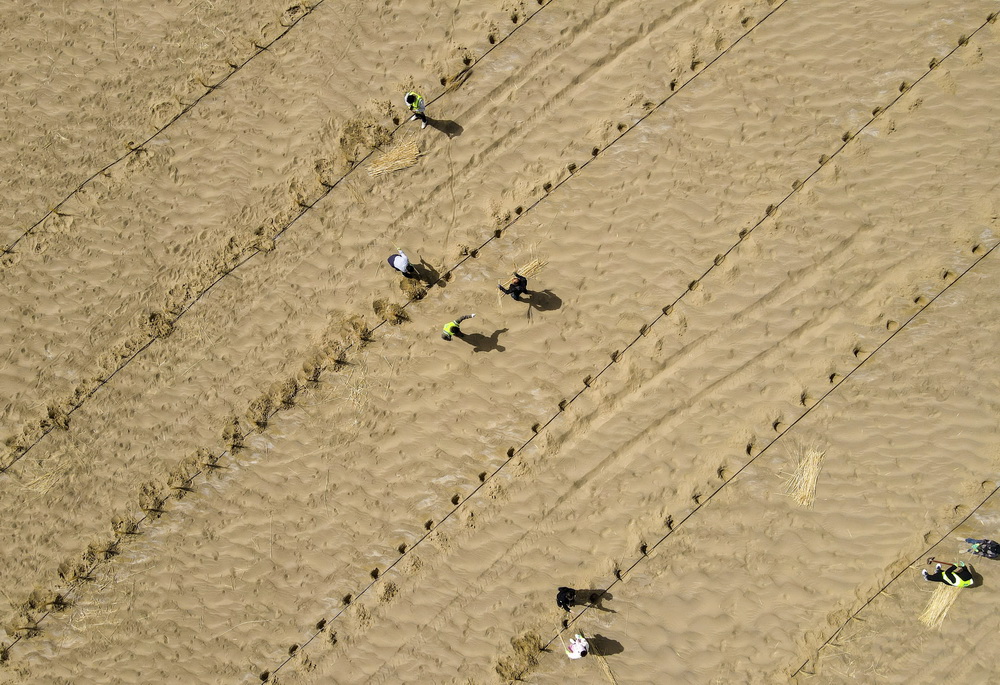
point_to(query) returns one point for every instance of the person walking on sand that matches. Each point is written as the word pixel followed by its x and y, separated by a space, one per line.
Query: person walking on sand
pixel 401 263
pixel 452 327
pixel 518 287
pixel 565 597
pixel 962 577
pixel 415 101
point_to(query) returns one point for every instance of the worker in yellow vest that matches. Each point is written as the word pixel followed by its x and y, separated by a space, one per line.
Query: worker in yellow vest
pixel 415 101
pixel 452 327
pixel 958 575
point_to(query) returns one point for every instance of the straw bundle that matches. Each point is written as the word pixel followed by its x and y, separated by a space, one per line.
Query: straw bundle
pixel 402 155
pixel 47 480
pixel 528 270
pixel 604 665
pixel 942 599
pixel 802 484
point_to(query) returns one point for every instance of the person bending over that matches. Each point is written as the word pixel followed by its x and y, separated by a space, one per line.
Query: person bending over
pixel 958 575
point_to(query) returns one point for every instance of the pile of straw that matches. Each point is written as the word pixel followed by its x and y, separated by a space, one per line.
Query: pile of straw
pixel 942 599
pixel 802 484
pixel 400 156
pixel 528 270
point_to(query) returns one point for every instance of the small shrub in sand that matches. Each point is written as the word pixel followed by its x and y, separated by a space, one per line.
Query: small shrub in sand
pixel 41 598
pixel 525 650
pixel 284 392
pixel 259 411
pixel 102 549
pixel 159 324
pixel 357 330
pixel 391 312
pixel 74 569
pixel 124 524
pixel 412 289
pixel 151 497
pixel 180 481
pixel 312 368
pixel 22 624
pixel 232 435
pixel 58 413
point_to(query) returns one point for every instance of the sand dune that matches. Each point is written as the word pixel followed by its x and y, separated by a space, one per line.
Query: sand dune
pixel 423 498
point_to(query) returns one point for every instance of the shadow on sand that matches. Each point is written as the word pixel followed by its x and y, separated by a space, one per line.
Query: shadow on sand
pixel 452 129
pixel 482 343
pixel 605 646
pixel 543 300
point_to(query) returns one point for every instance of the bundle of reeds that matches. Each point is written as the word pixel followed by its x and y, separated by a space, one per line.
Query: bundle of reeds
pixel 528 270
pixel 942 599
pixel 802 484
pixel 400 156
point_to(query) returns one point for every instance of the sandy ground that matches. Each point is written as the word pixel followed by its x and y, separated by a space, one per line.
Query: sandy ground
pixel 222 449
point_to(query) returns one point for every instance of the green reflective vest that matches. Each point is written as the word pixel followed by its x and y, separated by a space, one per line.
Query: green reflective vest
pixel 418 104
pixel 450 327
pixel 954 580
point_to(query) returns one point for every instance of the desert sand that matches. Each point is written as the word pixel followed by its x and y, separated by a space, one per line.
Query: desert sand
pixel 237 449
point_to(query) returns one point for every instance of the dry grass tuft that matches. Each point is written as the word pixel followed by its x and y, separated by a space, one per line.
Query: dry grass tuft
pixel 389 311
pixel 802 484
pixel 402 155
pixel 524 655
pixel 942 599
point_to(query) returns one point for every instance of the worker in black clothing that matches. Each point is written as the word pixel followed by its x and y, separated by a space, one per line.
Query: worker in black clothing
pixel 518 287
pixel 565 597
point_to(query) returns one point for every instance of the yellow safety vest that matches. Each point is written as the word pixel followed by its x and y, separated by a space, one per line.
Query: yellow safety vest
pixel 416 104
pixel 450 327
pixel 957 581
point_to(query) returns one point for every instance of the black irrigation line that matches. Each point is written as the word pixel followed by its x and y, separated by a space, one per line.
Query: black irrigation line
pixel 621 573
pixel 538 428
pixel 135 148
pixel 303 209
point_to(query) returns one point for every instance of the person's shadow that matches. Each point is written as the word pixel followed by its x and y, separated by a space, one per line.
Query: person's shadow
pixel 605 646
pixel 450 128
pixel 543 300
pixel 482 343
pixel 595 599
pixel 426 273
pixel 977 578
